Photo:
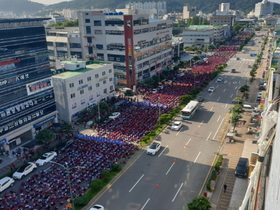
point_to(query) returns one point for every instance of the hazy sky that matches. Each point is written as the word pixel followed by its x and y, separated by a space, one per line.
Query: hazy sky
pixel 49 1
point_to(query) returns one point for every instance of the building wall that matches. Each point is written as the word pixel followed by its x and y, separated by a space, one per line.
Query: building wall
pixel 93 90
pixel 264 8
pixel 198 37
pixel 108 35
pixel 224 7
pixel 189 12
pixel 26 93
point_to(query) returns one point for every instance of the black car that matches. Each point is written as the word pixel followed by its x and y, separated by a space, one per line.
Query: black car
pixel 64 145
pixel 241 169
pixel 200 99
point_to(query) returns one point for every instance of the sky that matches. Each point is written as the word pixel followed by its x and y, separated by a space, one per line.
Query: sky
pixel 50 1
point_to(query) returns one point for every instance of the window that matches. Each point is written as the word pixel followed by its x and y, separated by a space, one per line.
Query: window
pixel 110 79
pixel 89 39
pixel 97 84
pixel 99 46
pixel 96 75
pixel 71 85
pixel 90 50
pixel 60 44
pixel 81 81
pixel 82 91
pixel 87 20
pixel 75 45
pixel 72 95
pixel 88 29
pixel 105 90
pixel 90 88
pixel 110 70
pixel 98 31
pixel 50 44
pixel 111 87
pixel 97 23
pixel 103 73
pixel 89 79
pixel 104 82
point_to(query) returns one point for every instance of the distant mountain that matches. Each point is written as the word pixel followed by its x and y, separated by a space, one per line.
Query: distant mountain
pixel 206 6
pixel 20 6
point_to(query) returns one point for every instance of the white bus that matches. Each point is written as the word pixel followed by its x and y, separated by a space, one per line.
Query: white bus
pixel 189 110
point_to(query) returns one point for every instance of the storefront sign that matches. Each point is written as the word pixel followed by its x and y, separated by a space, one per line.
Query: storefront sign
pixel 3 141
pixel 39 86
pixel 36 125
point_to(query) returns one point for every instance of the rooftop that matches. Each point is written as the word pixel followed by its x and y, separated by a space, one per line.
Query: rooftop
pixel 89 67
pixel 22 20
pixel 199 26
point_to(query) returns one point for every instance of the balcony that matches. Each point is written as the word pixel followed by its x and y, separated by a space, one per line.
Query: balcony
pixel 91 56
pixel 90 45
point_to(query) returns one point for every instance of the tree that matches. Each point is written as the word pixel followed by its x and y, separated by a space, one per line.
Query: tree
pixel 103 106
pixel 244 88
pixel 66 127
pixel 235 119
pixel 199 203
pixel 236 109
pixel 45 136
pixel 185 99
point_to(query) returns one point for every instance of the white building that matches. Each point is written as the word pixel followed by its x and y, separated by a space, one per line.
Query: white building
pixel 138 46
pixel 189 12
pixel 154 9
pixel 63 43
pixel 204 35
pixel 81 86
pixel 263 8
pixel 72 14
pixel 223 7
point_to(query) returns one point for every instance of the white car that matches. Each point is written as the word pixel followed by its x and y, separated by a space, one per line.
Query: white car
pixel 219 79
pixel 154 90
pixel 211 89
pixel 114 115
pixel 97 207
pixel 5 183
pixel 177 125
pixel 154 148
pixel 47 157
pixel 24 170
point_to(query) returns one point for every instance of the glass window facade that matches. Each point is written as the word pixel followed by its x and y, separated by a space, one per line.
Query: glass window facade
pixel 26 89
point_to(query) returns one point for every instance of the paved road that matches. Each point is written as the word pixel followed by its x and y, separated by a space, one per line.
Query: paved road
pixel 173 177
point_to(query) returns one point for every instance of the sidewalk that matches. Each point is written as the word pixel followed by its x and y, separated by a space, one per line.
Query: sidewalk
pixel 244 145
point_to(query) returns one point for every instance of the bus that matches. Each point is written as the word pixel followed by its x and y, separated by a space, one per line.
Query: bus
pixel 189 110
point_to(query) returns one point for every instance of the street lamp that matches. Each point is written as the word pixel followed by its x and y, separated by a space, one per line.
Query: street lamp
pixel 66 167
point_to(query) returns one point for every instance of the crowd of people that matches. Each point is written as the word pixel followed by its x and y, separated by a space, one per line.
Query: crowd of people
pixel 49 189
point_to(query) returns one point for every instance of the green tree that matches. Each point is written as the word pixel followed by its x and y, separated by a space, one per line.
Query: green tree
pixel 236 109
pixel 244 88
pixel 235 117
pixel 66 127
pixel 185 99
pixel 45 136
pixel 103 106
pixel 199 203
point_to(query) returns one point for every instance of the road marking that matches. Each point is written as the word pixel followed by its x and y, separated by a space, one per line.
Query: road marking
pixel 236 92
pixel 170 168
pixel 218 118
pixel 231 95
pixel 196 157
pixel 145 204
pixel 235 88
pixel 177 192
pixel 218 99
pixel 209 136
pixel 201 123
pixel 226 105
pixel 179 131
pixel 211 108
pixel 218 128
pixel 136 183
pixel 189 140
pixel 217 86
pixel 163 151
pixel 224 90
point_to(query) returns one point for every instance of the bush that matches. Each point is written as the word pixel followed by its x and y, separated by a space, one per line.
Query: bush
pixel 96 184
pixel 105 175
pixel 116 167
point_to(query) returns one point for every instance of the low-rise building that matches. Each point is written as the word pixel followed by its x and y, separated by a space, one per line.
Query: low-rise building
pixel 81 86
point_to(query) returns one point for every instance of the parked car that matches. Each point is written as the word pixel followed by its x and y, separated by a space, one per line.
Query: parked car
pixel 177 125
pixel 64 145
pixel 24 170
pixel 211 89
pixel 219 79
pixel 241 169
pixel 233 70
pixel 160 87
pixel 200 99
pixel 114 115
pixel 97 207
pixel 154 148
pixel 5 183
pixel 154 90
pixel 45 158
pixel 105 122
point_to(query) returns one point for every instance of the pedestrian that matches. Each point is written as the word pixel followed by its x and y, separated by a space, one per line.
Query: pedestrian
pixel 244 122
pixel 225 188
